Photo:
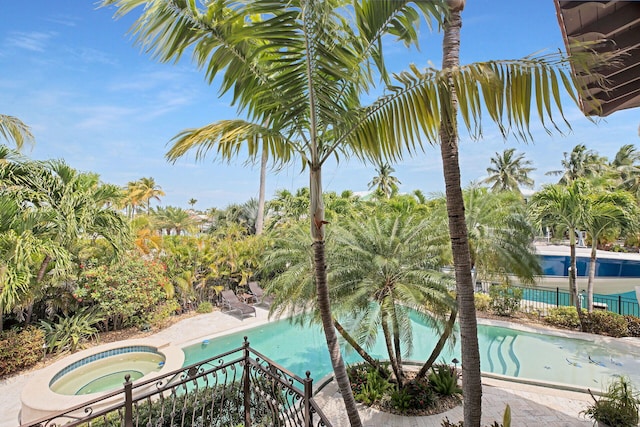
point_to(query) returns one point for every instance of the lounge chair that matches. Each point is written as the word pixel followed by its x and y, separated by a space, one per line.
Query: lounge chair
pixel 259 294
pixel 231 301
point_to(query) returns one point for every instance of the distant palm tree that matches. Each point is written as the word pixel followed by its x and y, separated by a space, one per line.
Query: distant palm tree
pixel 579 163
pixel 147 189
pixel 192 202
pixel 385 182
pixel 13 129
pixel 509 171
pixel 173 219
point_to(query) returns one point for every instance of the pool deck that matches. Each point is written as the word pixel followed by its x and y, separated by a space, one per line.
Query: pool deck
pixel 530 405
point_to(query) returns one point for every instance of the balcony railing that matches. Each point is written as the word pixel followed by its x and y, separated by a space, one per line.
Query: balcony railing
pixel 238 388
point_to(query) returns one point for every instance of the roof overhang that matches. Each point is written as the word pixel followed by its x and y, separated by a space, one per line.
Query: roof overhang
pixel 613 27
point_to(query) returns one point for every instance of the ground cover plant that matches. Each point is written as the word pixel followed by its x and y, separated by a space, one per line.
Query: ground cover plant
pixel 435 394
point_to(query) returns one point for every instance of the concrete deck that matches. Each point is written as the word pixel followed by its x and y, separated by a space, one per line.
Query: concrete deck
pixel 530 405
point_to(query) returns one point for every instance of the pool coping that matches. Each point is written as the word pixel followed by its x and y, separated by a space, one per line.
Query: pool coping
pixel 38 400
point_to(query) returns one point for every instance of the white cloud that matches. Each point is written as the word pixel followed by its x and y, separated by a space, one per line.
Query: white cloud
pixel 34 41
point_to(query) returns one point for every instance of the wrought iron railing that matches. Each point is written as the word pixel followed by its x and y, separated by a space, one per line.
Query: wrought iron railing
pixel 238 388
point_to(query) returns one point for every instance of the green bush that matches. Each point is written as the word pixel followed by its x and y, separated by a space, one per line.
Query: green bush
pixel 633 326
pixel 205 307
pixel 70 332
pixel 374 389
pixel 605 323
pixel 482 301
pixel 565 317
pixel 164 311
pixel 505 300
pixel 20 349
pixel 126 292
pixel 444 380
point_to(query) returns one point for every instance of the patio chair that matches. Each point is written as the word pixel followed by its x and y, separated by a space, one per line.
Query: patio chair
pixel 231 301
pixel 259 294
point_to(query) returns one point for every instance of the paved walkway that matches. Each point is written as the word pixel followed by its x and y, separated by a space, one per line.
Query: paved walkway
pixel 530 405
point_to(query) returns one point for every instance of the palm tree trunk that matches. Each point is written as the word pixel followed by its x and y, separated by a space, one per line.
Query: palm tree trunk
pixel 358 348
pixel 390 351
pixel 261 191
pixel 322 289
pixel 396 343
pixel 471 379
pixel 592 276
pixel 448 329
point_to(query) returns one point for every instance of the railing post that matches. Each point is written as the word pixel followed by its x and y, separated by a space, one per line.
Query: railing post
pixel 128 401
pixel 558 297
pixel 308 390
pixel 619 304
pixel 246 384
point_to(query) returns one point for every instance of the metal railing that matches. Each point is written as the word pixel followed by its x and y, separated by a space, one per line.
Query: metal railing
pixel 540 299
pixel 238 388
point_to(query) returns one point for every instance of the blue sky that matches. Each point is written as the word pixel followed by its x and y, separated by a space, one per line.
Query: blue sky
pixel 72 73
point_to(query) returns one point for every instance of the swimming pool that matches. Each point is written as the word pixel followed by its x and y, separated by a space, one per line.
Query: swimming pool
pixel 503 351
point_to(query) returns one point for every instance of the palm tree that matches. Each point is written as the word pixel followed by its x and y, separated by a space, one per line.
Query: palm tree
pixel 564 209
pixel 192 202
pixel 500 236
pixel 509 171
pixel 13 129
pixel 606 211
pixel 173 219
pixel 303 79
pixel 385 260
pixel 391 258
pixel 147 189
pixel 385 182
pixel 579 163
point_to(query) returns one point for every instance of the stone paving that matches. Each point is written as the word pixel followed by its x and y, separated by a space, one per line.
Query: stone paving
pixel 530 405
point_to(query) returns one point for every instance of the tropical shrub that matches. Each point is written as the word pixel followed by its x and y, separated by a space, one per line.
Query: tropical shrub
pixel 20 349
pixel 419 395
pixel 505 300
pixel 633 326
pixel 482 301
pixel 126 292
pixel 605 323
pixel 444 380
pixel 374 388
pixel 564 317
pixel 205 307
pixel 70 332
pixel 164 311
pixel 617 407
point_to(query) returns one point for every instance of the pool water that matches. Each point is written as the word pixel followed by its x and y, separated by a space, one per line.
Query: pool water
pixel 502 351
pixel 107 373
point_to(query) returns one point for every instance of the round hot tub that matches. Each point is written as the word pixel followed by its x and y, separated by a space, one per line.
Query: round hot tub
pixel 88 374
pixel 105 371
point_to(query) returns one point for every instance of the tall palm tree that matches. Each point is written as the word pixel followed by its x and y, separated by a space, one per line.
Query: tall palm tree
pixel 301 70
pixel 384 181
pixel 13 129
pixel 563 207
pixel 606 211
pixel 509 171
pixel 192 202
pixel 448 136
pixel 298 72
